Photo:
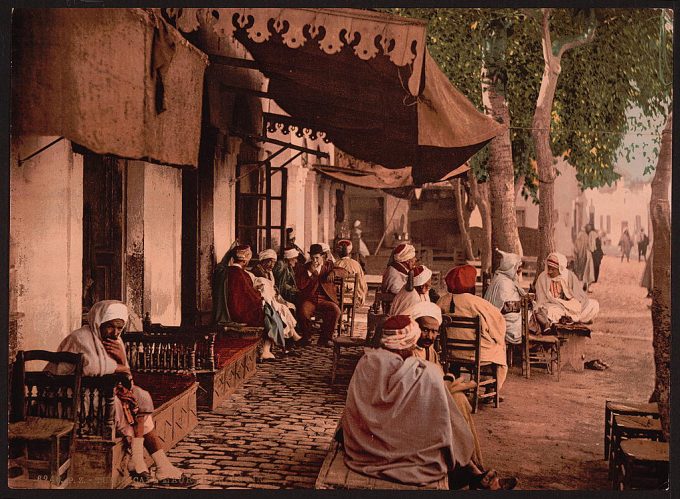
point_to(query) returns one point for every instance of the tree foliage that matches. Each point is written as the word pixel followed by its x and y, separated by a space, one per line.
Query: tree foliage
pixel 627 65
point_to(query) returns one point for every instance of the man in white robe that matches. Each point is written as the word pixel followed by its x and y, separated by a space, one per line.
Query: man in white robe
pixel 559 293
pixel 505 293
pixel 403 260
pixel 407 298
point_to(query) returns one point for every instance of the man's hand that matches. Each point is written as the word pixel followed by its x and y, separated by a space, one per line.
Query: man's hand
pixel 115 350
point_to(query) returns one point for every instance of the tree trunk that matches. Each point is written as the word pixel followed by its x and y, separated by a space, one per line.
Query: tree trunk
pixel 480 193
pixel 504 233
pixel 540 132
pixel 659 208
pixel 460 216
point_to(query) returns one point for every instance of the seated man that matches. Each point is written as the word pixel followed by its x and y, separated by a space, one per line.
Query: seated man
pixel 352 267
pixel 559 293
pixel 505 293
pixel 104 353
pixel 400 421
pixel 429 317
pixel 461 300
pixel 264 283
pixel 235 299
pixel 402 260
pixel 406 298
pixel 317 295
pixel 284 274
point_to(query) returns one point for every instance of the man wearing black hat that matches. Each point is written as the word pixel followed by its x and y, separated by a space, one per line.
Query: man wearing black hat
pixel 317 295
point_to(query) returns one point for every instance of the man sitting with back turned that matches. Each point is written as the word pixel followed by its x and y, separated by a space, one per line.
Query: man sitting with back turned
pixel 400 421
pixel 352 267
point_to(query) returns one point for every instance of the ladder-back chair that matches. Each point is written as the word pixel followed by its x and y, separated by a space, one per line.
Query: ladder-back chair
pixel 43 421
pixel 460 339
pixel 538 349
pixel 346 288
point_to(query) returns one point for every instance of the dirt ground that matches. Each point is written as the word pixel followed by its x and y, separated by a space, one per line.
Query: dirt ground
pixel 550 434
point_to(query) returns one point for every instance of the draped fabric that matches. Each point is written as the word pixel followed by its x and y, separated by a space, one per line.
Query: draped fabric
pixel 400 422
pixel 364 79
pixel 115 81
pixel 504 287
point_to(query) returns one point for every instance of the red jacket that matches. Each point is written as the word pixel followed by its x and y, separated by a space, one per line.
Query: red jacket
pixel 243 300
pixel 309 285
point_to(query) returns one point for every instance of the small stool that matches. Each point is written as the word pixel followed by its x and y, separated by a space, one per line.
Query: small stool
pixel 626 427
pixel 612 407
pixel 643 465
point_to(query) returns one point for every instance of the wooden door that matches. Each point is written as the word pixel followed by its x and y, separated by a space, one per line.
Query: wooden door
pixel 102 229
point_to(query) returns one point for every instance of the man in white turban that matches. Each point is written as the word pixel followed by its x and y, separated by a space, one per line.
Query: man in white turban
pixel 559 293
pixel 407 297
pixel 429 317
pixel 403 259
pixel 400 421
pixel 104 353
pixel 505 293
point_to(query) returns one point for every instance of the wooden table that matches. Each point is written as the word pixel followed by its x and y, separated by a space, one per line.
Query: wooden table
pixel 374 281
pixel 572 351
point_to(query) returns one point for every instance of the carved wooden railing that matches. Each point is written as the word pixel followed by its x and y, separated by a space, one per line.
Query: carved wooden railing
pixel 47 399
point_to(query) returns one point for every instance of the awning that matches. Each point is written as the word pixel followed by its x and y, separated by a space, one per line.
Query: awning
pixel 353 171
pixel 116 81
pixel 364 78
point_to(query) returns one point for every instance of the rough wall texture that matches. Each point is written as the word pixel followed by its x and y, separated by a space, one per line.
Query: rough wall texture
pixel 162 243
pixel 46 216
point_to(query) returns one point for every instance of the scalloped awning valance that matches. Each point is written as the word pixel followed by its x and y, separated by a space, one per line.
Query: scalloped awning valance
pixel 363 78
pixel 116 81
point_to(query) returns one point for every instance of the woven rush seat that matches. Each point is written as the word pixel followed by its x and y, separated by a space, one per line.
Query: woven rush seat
pixel 637 423
pixel 35 428
pixel 646 450
pixel 613 407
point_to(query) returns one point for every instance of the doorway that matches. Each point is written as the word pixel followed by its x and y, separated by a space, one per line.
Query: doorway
pixel 103 217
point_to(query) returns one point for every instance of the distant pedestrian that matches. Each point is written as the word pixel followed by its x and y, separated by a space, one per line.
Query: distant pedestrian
pixel 625 243
pixel 647 280
pixel 583 258
pixel 360 250
pixel 598 254
pixel 642 243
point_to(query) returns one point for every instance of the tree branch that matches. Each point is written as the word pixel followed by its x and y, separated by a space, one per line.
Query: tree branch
pixel 570 43
pixel 545 35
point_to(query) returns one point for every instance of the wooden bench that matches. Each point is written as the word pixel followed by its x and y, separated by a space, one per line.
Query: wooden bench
pixel 335 474
pixel 220 357
pixel 626 427
pixel 100 460
pixel 572 351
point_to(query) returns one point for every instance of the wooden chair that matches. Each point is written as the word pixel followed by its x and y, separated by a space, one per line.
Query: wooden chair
pixel 356 341
pixel 612 408
pixel 460 339
pixel 538 349
pixel 42 431
pixel 383 301
pixel 346 288
pixel 643 465
pixel 626 427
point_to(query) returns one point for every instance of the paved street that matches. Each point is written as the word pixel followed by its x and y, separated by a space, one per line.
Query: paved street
pixel 275 430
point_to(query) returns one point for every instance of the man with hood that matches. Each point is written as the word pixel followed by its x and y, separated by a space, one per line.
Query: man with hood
pixel 104 353
pixel 461 300
pixel 583 257
pixel 559 293
pixel 352 267
pixel 400 421
pixel 505 292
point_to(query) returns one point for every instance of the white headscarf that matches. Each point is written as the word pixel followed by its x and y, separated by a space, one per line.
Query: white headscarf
pixel 424 276
pixel 509 264
pixel 290 253
pixel 427 309
pixel 268 254
pixel 404 252
pixel 400 333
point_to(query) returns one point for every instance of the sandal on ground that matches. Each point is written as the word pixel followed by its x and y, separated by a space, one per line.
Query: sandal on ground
pixel 490 481
pixel 182 481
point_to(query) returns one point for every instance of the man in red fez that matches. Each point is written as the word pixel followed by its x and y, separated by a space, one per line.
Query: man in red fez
pixel 461 300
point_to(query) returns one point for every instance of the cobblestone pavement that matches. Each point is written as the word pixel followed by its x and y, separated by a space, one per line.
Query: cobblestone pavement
pixel 275 430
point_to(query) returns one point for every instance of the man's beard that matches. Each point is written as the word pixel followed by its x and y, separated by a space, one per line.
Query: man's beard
pixel 424 342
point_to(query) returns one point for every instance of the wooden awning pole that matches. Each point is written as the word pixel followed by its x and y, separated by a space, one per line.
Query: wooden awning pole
pixel 394 212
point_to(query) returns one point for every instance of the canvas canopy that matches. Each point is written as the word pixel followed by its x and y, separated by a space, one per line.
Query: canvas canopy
pixel 115 81
pixel 363 78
